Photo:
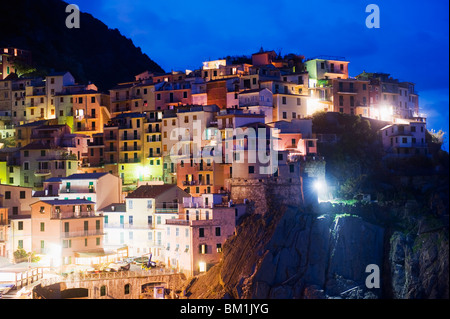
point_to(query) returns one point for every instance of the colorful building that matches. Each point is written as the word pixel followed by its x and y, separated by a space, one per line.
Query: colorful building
pixel 195 239
pixel 65 230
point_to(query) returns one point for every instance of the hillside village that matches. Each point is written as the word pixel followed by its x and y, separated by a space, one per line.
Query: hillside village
pixel 166 165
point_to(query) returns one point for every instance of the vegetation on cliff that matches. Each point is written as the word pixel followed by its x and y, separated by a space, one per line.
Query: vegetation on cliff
pixel 91 53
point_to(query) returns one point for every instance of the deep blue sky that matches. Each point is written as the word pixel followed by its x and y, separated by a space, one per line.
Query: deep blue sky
pixel 412 43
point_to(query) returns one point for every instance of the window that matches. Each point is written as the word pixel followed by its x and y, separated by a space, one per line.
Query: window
pixel 341 100
pixel 130 204
pixel 201 232
pixel 103 291
pixel 219 248
pixel 217 231
pixel 127 289
pixel 284 115
pixel 22 194
pixel 203 249
pixel 42 226
pixel 283 100
pixel 7 195
pixel 251 169
pixel 20 226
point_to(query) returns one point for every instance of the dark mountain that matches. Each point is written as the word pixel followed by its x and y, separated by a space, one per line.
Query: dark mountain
pixel 91 53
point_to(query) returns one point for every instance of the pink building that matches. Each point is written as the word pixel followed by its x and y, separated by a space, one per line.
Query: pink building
pixel 405 139
pixel 65 230
pixel 195 240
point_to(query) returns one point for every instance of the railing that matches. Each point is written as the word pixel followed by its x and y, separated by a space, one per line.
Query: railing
pixel 109 275
pixel 130 149
pixel 82 233
pixel 131 138
pixel 70 215
pixel 181 222
pixel 166 210
pixel 130 160
pixel 348 90
pixel 42 172
pixel 127 226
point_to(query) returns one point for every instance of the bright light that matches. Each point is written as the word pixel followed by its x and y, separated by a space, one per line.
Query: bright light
pixel 53 256
pixel 321 188
pixel 386 112
pixel 202 266
pixel 142 171
pixel 320 185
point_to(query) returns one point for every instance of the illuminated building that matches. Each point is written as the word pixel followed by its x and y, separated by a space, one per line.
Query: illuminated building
pixel 132 147
pixel 8 57
pixel 195 239
pixel 147 209
pixel 63 230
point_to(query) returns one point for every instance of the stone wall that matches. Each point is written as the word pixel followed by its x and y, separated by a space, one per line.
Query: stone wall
pixel 263 194
pixel 115 286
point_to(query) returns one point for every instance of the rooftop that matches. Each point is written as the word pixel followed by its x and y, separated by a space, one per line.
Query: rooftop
pixel 115 208
pixel 55 202
pixel 84 176
pixel 150 191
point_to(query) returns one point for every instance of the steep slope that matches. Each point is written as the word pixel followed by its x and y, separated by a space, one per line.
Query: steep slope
pixel 307 255
pixel 91 53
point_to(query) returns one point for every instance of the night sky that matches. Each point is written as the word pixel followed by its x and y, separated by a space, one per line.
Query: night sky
pixel 412 43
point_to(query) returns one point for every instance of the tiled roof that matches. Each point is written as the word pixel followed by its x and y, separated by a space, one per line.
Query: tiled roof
pixel 150 191
pixel 67 202
pixel 118 207
pixel 84 176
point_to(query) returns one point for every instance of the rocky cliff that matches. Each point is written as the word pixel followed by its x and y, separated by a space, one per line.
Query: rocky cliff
pixel 323 252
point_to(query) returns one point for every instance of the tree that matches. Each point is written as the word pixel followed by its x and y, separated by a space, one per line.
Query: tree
pixel 20 255
pixel 23 68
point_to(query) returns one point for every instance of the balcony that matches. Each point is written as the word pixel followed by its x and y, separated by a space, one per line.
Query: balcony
pixel 347 91
pixel 155 154
pixel 131 138
pixel 130 149
pixel 71 215
pixel 181 222
pixel 82 233
pixel 127 226
pixel 167 208
pixel 130 160
pixel 42 172
pixel 125 98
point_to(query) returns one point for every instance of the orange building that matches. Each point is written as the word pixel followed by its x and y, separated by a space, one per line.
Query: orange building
pixel 64 229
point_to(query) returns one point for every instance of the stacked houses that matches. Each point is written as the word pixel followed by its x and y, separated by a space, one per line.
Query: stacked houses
pixel 148 167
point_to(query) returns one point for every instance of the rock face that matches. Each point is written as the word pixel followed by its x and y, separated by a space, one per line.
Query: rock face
pixel 419 266
pixel 290 253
